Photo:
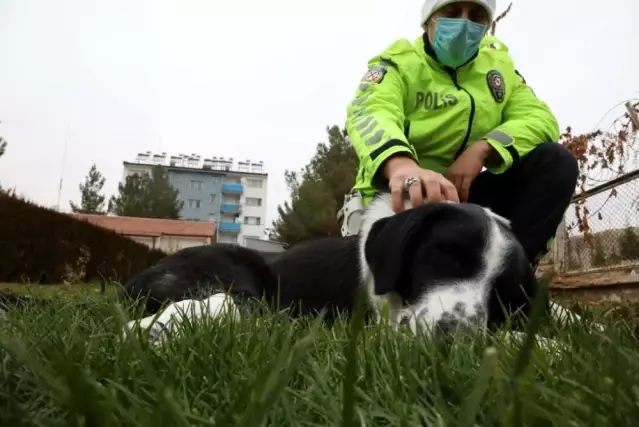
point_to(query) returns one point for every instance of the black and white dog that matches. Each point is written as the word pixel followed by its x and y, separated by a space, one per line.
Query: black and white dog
pixel 438 267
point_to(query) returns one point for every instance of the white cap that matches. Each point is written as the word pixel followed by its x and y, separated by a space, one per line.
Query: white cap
pixel 432 6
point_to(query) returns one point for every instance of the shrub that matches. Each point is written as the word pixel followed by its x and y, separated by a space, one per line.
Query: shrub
pixel 598 253
pixel 629 244
pixel 40 245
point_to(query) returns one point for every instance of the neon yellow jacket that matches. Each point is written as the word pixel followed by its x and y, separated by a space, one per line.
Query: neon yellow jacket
pixel 407 102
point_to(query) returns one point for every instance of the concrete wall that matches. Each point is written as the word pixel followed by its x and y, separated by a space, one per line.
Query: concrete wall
pixel 255 191
pixel 170 244
pixel 263 245
pixel 209 195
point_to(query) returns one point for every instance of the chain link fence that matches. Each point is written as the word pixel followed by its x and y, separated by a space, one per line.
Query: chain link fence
pixel 612 239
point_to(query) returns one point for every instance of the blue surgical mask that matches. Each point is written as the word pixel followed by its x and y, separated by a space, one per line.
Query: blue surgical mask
pixel 456 40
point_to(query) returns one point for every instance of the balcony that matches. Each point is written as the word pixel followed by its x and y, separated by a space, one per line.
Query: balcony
pixel 231 188
pixel 231 208
pixel 230 227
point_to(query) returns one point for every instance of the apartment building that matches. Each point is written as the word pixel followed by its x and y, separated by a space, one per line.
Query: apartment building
pixel 216 189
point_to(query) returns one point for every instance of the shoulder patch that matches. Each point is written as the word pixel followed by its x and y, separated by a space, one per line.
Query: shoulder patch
pixel 375 74
pixel 496 85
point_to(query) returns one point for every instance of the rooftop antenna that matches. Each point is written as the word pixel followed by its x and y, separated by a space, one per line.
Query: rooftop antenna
pixel 64 159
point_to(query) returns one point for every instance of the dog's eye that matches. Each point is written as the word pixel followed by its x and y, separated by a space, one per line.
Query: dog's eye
pixel 450 256
pixel 446 248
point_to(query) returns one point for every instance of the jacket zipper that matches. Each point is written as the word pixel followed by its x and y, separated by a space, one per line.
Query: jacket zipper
pixel 453 75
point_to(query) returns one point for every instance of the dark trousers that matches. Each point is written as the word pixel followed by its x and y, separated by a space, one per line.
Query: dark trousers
pixel 533 194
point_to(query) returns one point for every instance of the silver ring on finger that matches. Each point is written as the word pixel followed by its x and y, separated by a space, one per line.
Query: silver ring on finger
pixel 409 182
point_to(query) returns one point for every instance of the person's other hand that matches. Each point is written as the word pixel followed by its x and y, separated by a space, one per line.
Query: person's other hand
pixel 467 167
pixel 433 184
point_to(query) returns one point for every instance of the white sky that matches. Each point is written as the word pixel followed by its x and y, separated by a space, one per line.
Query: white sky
pixel 251 79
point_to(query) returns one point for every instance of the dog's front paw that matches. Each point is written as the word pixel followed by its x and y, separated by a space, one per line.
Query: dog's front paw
pixel 598 327
pixel 548 345
pixel 565 317
pixel 155 330
pixel 168 323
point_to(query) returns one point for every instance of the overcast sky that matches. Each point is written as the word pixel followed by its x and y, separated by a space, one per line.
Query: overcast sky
pixel 251 79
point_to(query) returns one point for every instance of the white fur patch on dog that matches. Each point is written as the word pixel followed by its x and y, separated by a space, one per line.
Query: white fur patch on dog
pixel 166 324
pixel 379 208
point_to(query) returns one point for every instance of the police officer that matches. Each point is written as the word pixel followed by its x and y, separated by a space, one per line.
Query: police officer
pixel 449 117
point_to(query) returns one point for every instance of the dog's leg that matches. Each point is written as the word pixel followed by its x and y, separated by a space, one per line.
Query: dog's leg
pixel 546 344
pixel 167 323
pixel 565 317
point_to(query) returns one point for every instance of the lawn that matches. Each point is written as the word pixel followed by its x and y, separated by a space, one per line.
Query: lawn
pixel 68 365
pixel 65 292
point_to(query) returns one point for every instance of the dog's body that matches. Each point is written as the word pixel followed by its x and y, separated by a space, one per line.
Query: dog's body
pixel 440 265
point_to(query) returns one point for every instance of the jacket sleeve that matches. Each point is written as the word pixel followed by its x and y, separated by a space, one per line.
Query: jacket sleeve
pixel 527 122
pixel 375 119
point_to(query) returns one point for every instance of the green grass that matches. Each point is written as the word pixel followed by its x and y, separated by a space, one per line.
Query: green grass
pixel 63 292
pixel 69 366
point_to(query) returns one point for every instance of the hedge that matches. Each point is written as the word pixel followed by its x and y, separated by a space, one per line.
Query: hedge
pixel 40 245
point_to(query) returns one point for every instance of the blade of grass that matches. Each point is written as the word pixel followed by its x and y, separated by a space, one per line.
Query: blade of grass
pixel 471 406
pixel 350 371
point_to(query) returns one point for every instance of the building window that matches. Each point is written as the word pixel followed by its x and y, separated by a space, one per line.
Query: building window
pixel 139 172
pixel 196 185
pixel 254 183
pixel 194 203
pixel 212 198
pixel 252 220
pixel 253 201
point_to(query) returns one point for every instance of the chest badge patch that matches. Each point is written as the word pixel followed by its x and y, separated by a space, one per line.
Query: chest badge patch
pixel 496 85
pixel 375 75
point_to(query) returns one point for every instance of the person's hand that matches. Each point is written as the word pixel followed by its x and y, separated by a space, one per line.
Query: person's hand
pixel 433 184
pixel 467 167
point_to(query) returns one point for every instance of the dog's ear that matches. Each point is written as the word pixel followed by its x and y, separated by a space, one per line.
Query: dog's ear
pixel 388 248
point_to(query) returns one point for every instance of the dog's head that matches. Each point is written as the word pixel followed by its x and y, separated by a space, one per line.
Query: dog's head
pixel 444 265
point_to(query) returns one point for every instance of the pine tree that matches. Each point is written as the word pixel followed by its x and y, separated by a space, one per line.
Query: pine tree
pixel 598 253
pixel 3 146
pixel 317 192
pixel 91 202
pixel 147 196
